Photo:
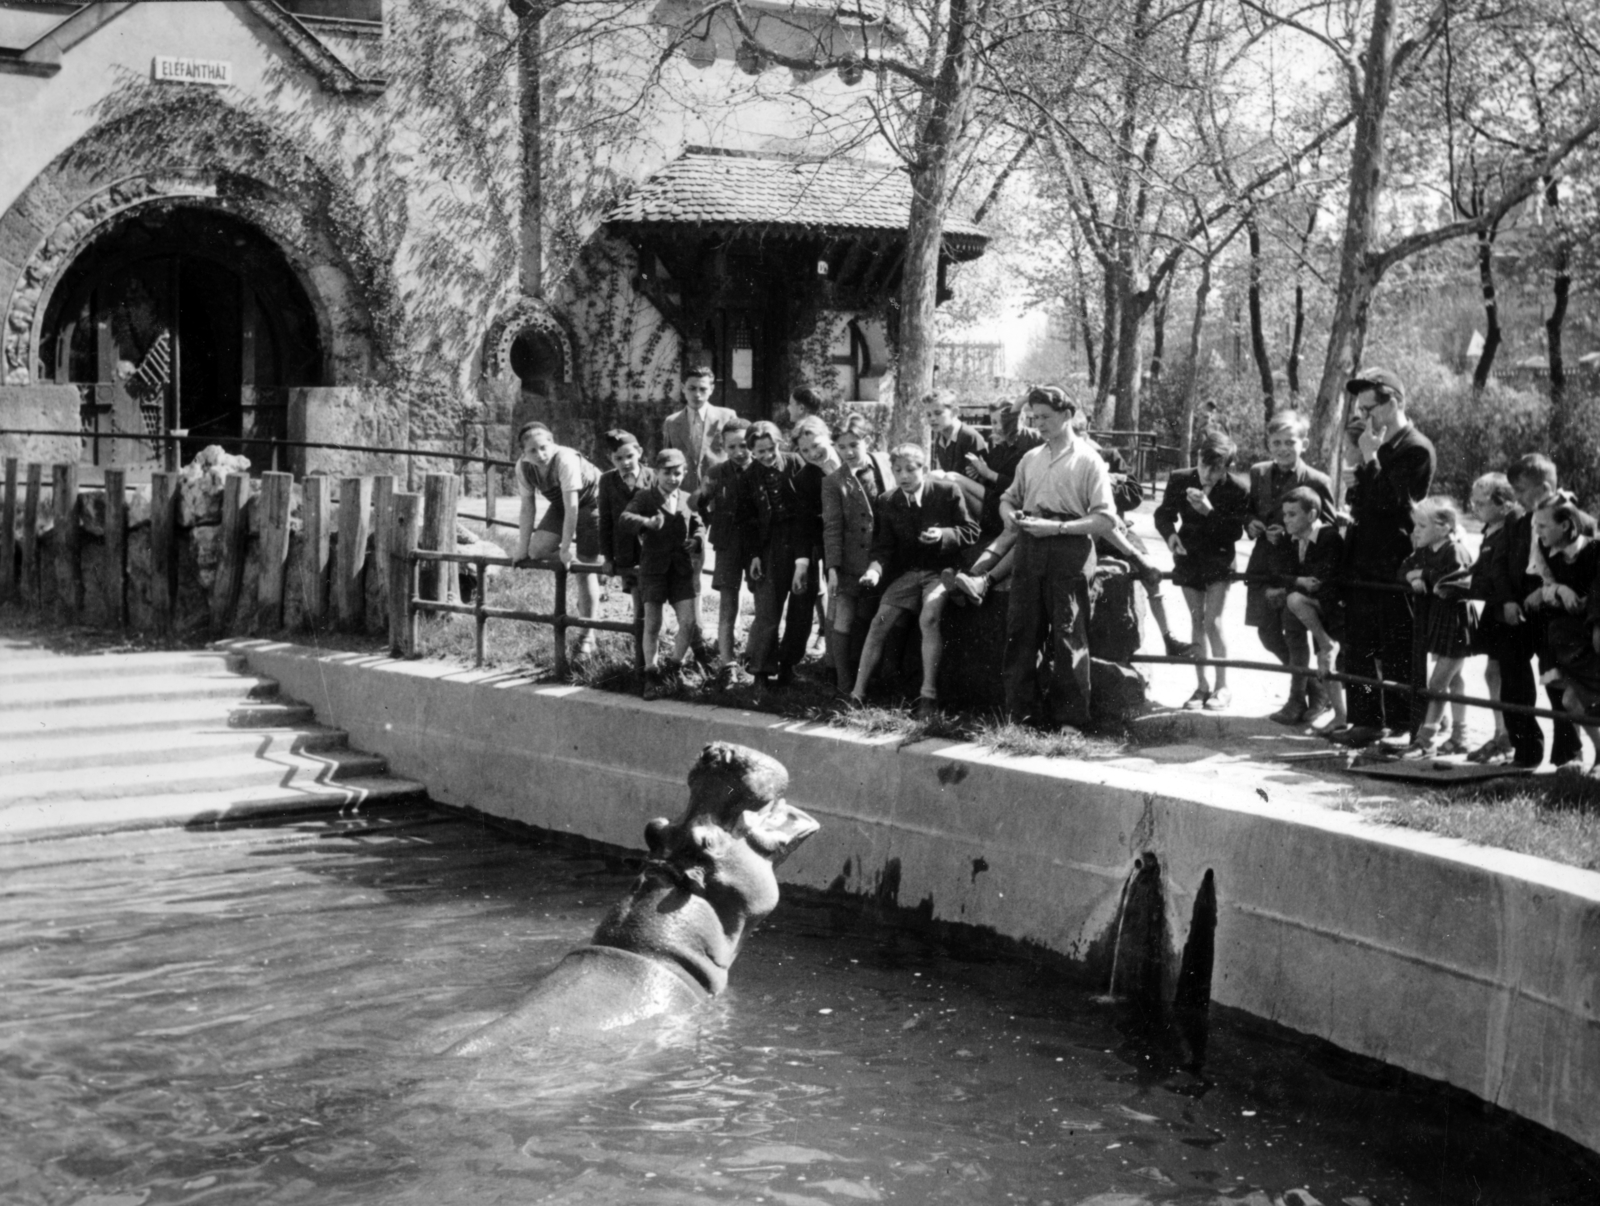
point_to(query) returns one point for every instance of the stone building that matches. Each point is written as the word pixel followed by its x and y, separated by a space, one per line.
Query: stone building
pixel 410 222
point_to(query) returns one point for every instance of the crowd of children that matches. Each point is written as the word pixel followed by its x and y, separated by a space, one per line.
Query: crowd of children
pixel 818 524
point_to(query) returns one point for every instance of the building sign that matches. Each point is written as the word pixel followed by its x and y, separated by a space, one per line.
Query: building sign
pixel 214 72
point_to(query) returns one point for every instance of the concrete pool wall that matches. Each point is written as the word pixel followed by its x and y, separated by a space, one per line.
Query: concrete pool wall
pixel 1475 967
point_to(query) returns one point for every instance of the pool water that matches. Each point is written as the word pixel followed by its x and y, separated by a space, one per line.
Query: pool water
pixel 252 1015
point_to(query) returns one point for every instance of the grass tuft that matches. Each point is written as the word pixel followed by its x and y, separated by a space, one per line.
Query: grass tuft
pixel 1555 817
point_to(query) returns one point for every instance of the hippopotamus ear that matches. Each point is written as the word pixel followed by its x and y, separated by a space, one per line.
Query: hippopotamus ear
pixel 778 829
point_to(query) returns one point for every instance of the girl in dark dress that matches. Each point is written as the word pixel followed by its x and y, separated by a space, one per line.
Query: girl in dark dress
pixel 1571 606
pixel 1495 505
pixel 1201 517
pixel 1443 618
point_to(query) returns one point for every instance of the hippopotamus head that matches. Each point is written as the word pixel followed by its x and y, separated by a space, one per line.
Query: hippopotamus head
pixel 710 872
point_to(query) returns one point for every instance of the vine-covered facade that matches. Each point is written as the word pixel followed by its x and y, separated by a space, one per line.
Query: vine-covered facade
pixel 425 221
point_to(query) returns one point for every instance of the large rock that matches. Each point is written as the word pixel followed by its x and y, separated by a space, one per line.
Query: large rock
pixel 200 485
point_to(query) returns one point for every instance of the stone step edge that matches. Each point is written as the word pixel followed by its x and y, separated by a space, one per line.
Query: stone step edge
pixel 66 750
pixel 122 665
pixel 113 781
pixel 353 798
pixel 81 692
pixel 233 714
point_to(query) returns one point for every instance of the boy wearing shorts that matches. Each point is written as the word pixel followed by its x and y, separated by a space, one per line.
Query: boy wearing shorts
pixel 670 537
pixel 921 528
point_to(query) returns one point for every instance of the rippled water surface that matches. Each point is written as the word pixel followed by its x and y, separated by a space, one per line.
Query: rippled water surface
pixel 252 1016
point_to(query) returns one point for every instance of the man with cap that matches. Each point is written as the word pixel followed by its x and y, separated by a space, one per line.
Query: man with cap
pixel 1393 471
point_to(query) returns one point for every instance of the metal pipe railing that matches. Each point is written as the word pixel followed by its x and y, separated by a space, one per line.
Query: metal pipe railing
pixel 557 618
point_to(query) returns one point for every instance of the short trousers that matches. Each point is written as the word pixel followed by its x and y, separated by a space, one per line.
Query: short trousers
pixel 676 585
pixel 1199 574
pixel 728 571
pixel 587 538
pixel 911 589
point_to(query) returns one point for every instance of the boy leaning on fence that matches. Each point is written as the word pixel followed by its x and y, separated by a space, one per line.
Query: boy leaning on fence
pixel 670 541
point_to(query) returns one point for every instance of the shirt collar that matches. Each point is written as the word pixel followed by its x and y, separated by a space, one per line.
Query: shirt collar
pixel 1570 553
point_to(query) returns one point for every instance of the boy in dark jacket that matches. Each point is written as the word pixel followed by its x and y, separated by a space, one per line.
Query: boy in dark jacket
pixel 920 530
pixel 719 498
pixel 1307 560
pixel 619 548
pixel 669 534
pixel 780 532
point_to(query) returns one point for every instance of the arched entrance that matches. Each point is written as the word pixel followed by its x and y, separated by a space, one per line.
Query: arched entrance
pixel 180 319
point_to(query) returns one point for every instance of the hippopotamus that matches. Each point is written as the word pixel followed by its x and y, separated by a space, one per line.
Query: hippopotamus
pixel 667 947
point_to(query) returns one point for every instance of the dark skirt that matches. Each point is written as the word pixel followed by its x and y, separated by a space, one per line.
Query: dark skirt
pixel 1445 626
pixel 1200 572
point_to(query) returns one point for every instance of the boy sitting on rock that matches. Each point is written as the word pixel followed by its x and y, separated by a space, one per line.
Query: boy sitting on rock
pixel 921 528
pixel 670 536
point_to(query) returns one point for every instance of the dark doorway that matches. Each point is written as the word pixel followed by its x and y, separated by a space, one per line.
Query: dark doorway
pixel 184 326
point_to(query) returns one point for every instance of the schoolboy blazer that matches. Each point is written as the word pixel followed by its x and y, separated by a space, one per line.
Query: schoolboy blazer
pixel 617 544
pixel 894 540
pixel 849 518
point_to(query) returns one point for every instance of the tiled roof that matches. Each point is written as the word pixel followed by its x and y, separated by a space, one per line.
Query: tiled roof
pixel 721 188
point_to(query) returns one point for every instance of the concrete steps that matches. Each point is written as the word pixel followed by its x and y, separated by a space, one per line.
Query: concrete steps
pixel 136 740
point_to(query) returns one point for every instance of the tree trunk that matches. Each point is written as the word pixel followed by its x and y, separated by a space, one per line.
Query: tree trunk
pixel 1258 337
pixel 1191 395
pixel 943 114
pixel 1130 331
pixel 529 48
pixel 1296 339
pixel 1158 330
pixel 1087 330
pixel 1491 311
pixel 1108 347
pixel 1563 431
pixel 1358 274
pixel 1297 334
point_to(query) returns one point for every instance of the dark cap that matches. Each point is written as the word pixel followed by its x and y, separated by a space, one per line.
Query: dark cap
pixel 1375 378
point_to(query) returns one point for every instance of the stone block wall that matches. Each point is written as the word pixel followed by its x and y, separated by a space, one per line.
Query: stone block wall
pixel 40 408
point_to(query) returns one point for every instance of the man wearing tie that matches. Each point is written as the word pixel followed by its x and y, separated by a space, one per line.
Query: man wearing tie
pixel 696 431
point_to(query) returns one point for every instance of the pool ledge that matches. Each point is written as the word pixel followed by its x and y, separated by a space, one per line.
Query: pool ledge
pixel 1476 967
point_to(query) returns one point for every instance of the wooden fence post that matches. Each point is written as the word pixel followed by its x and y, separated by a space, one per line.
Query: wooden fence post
pixel 440 580
pixel 355 503
pixel 404 512
pixel 32 588
pixel 382 502
pixel 69 566
pixel 230 552
pixel 316 525
pixel 272 546
pixel 8 532
pixel 163 548
pixel 117 546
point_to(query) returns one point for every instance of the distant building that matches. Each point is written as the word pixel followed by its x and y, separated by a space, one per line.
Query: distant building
pixel 324 218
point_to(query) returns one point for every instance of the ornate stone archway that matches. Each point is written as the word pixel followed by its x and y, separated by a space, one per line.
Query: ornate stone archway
pixel 152 156
pixel 341 316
